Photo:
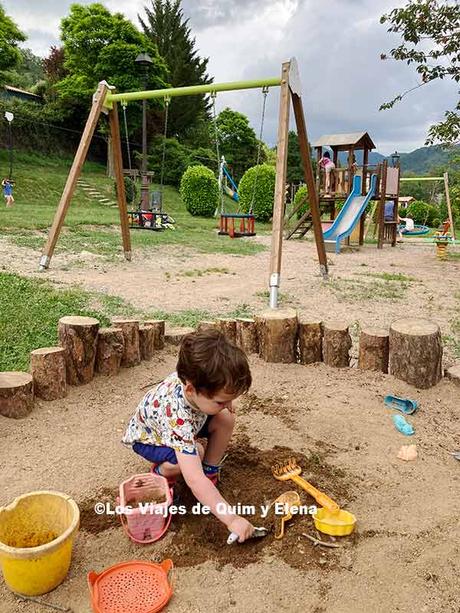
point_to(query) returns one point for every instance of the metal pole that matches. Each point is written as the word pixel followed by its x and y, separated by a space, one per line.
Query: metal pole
pixel 144 204
pixel 191 91
pixel 10 146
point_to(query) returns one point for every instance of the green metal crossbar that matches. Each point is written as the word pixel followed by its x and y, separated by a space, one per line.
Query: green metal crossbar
pixel 422 179
pixel 193 90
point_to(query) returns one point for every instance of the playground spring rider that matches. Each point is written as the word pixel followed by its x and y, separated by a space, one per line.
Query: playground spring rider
pixel 246 220
pixel 441 239
pixel 154 218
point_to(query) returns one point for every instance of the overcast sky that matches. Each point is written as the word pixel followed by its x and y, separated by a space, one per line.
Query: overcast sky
pixel 337 44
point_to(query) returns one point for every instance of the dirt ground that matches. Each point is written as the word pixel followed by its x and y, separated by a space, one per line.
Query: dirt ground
pixel 404 553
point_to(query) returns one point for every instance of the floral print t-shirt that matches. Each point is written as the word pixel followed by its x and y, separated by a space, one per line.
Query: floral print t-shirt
pixel 164 417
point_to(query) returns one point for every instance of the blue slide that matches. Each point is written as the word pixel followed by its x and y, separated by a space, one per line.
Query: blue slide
pixel 350 214
pixel 233 193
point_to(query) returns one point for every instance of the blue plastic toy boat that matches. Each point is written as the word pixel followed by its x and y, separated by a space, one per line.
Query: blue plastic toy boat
pixel 404 405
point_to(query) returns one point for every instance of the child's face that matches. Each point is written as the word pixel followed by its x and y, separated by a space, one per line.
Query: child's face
pixel 209 406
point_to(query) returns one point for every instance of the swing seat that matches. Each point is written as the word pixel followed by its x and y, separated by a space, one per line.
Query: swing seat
pixel 246 226
pixel 150 220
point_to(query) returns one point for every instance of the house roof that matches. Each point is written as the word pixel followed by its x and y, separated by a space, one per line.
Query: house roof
pixel 342 142
pixel 16 90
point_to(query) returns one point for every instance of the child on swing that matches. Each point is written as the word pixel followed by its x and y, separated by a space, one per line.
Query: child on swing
pixel 194 402
pixel 7 185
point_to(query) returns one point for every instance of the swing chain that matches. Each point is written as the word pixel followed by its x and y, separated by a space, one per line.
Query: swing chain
pixel 167 100
pixel 216 138
pixel 124 104
pixel 259 147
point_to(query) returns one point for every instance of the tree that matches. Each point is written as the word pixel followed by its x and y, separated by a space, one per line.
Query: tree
pixel 53 65
pixel 295 172
pixel 10 36
pixel 101 46
pixel 237 140
pixel 430 30
pixel 166 27
pixel 29 71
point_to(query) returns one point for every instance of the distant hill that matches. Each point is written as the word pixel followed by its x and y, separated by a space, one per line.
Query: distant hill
pixel 419 162
pixel 424 160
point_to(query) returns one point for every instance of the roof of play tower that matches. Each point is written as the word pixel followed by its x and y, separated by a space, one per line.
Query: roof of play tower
pixel 343 142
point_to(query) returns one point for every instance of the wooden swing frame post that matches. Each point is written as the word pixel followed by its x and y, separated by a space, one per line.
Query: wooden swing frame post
pixel 75 171
pixel 105 100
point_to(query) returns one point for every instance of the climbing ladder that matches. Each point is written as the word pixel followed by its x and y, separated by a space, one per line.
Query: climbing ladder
pixel 301 227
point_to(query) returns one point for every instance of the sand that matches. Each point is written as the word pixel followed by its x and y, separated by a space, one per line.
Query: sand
pixel 404 553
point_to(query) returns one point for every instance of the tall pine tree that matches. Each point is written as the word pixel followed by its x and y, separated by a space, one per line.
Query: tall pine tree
pixel 166 27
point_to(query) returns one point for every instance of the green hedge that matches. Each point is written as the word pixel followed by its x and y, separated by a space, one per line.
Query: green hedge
pixel 199 191
pixel 257 187
pixel 423 213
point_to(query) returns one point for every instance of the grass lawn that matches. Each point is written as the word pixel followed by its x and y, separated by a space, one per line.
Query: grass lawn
pixel 30 310
pixel 93 227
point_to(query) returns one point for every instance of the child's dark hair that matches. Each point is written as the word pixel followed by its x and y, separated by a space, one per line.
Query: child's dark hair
pixel 212 363
pixel 327 155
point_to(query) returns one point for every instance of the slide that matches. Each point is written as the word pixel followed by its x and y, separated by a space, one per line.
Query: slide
pixel 233 193
pixel 350 214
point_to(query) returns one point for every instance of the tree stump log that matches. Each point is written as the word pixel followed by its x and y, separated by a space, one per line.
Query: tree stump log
pixel 146 341
pixel 78 336
pixel 16 394
pixel 174 336
pixel 336 344
pixel 246 335
pixel 228 327
pixel 416 352
pixel 207 325
pixel 277 333
pixel 110 347
pixel 131 351
pixel 159 332
pixel 310 334
pixel 48 369
pixel 453 373
pixel 374 349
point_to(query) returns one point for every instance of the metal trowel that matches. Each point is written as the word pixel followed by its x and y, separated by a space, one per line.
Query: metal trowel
pixel 258 533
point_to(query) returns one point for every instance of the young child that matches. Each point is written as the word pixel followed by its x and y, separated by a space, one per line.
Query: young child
pixel 8 192
pixel 328 165
pixel 194 402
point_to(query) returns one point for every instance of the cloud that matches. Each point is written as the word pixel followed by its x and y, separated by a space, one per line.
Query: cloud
pixel 337 44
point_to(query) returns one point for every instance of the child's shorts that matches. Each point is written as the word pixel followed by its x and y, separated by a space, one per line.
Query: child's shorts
pixel 161 453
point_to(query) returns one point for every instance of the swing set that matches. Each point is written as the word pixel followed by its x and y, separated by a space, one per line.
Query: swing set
pixel 445 179
pixel 246 220
pixel 154 218
pixel 105 100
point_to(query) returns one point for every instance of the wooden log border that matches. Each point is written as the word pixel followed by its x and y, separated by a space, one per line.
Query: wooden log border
pixel 452 373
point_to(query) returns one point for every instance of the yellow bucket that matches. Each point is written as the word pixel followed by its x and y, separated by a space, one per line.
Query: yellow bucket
pixel 36 537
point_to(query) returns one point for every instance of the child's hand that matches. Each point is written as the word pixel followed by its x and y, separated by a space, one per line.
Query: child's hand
pixel 242 528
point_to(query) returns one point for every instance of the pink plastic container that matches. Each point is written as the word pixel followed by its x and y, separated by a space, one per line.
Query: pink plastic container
pixel 147 520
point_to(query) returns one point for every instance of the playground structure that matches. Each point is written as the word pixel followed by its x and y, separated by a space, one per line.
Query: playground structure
pixel 357 186
pixel 105 100
pixel 341 178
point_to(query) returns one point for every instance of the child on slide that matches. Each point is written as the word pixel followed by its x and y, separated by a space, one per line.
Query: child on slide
pixel 194 402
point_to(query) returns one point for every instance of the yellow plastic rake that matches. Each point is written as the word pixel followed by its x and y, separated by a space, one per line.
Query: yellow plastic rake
pixel 291 470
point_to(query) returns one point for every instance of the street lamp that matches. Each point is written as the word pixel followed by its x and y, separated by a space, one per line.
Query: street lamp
pixel 143 59
pixel 395 158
